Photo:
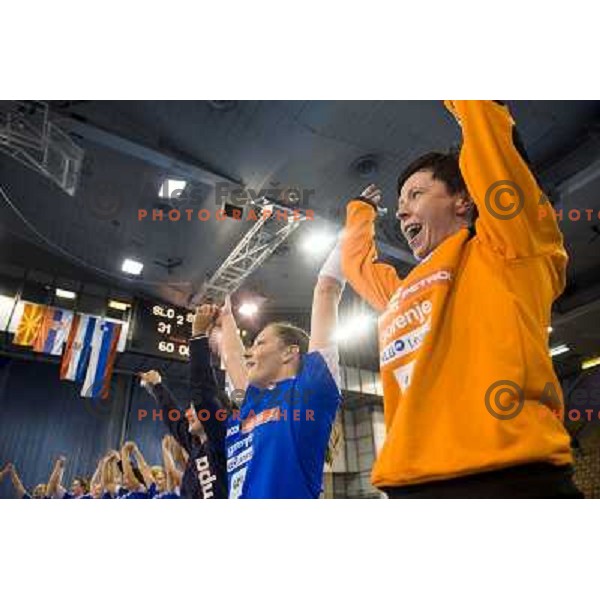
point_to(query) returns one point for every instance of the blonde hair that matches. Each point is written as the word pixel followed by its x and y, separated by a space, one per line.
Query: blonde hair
pixel 39 490
pixel 156 469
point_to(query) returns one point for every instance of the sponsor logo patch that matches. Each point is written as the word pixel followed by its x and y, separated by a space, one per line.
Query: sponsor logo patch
pixel 416 314
pixel 237 483
pixel 404 374
pixel 409 342
pixel 405 291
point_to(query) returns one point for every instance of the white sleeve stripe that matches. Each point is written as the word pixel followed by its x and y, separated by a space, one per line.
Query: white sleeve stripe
pixel 332 360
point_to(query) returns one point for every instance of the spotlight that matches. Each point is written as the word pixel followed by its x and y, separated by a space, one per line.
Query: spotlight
pixel 318 242
pixel 248 309
pixel 592 362
pixel 354 327
pixel 559 350
pixel 133 267
pixel 65 294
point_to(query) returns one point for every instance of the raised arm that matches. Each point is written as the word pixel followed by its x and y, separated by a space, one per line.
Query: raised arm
pixel 203 385
pixel 17 483
pixel 145 469
pixel 326 298
pixel 96 479
pixel 173 474
pixel 153 384
pixel 515 219
pixel 233 349
pixel 55 481
pixel 373 281
pixel 108 473
pixel 129 477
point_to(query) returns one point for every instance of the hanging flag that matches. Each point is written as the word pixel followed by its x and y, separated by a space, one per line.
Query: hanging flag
pixel 29 325
pixel 16 317
pixel 7 309
pixel 79 347
pixel 53 331
pixel 102 360
pixel 123 335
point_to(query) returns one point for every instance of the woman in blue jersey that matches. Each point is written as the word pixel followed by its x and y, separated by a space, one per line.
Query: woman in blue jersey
pixel 168 477
pixel 39 491
pixel 80 487
pixel 139 483
pixel 277 443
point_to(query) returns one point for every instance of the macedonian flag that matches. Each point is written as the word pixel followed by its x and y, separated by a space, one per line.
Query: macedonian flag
pixel 29 325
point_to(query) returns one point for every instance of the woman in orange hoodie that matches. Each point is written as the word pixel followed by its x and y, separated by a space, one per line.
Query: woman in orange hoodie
pixel 472 405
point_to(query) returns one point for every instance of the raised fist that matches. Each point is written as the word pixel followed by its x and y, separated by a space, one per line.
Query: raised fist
pixel 150 377
pixel 204 319
pixel 372 193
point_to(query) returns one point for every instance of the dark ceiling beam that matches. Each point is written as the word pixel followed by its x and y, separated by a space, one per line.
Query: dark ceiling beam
pixel 173 166
pixel 578 312
pixel 568 162
pixel 582 177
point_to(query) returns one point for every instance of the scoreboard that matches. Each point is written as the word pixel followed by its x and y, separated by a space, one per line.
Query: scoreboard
pixel 162 330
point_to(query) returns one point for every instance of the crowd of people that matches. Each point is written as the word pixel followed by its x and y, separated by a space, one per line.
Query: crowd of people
pixel 218 448
pixel 120 474
pixel 444 345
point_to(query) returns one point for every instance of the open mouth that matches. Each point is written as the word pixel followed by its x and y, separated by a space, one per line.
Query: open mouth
pixel 412 233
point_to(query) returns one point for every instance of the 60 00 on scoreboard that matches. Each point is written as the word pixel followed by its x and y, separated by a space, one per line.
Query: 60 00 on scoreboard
pixel 162 330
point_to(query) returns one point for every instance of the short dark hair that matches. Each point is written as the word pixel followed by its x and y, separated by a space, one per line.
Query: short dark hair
pixel 442 166
pixel 291 335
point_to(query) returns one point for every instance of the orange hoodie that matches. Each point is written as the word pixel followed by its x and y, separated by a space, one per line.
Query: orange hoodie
pixel 473 314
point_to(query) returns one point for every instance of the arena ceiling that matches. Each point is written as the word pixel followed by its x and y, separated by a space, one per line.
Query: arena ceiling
pixel 330 149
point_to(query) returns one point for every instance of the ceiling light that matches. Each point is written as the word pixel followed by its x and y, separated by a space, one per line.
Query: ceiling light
pixel 248 309
pixel 65 294
pixel 116 305
pixel 592 362
pixel 354 327
pixel 559 350
pixel 133 267
pixel 550 329
pixel 172 188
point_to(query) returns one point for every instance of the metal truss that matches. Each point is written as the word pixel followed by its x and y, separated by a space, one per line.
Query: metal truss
pixel 273 226
pixel 27 135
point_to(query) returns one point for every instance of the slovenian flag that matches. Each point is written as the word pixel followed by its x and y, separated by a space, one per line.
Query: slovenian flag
pixel 102 360
pixel 79 347
pixel 123 335
pixel 53 331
